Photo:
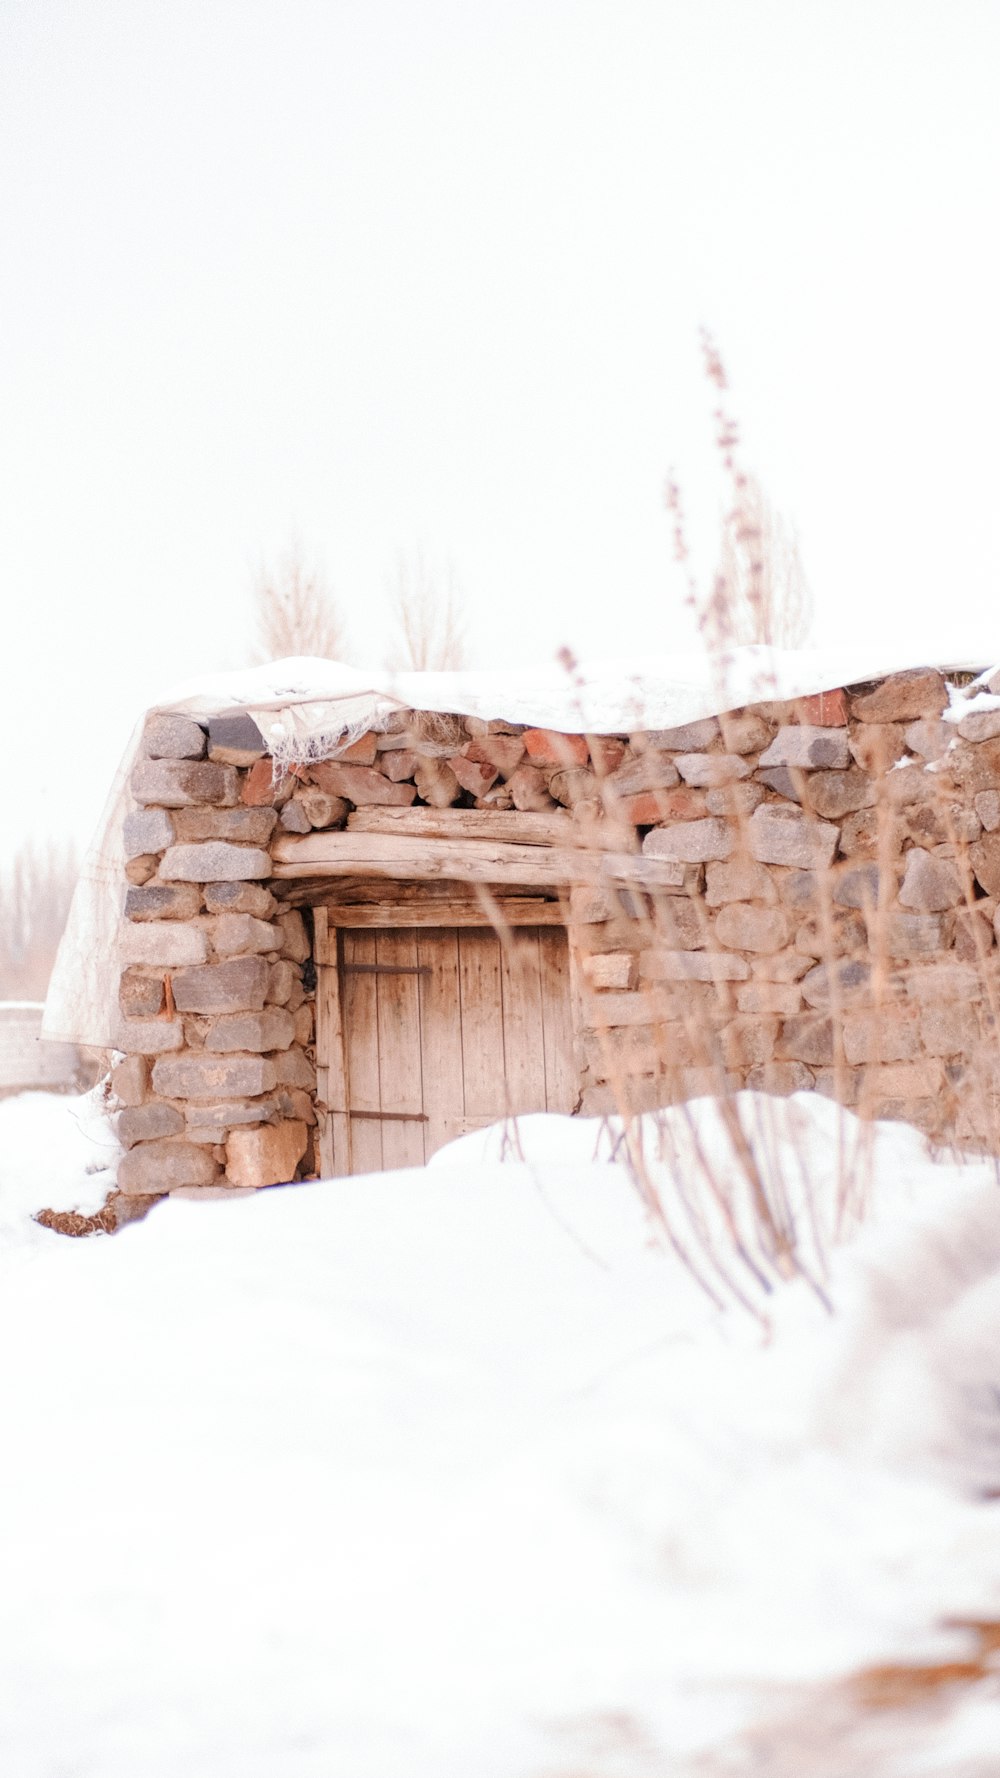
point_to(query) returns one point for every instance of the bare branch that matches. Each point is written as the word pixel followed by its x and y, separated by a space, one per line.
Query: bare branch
pixel 296 614
pixel 430 629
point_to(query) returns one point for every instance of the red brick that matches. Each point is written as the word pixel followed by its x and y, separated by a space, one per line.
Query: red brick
pixel 360 784
pixel 546 747
pixel 650 806
pixel 360 753
pixel 827 709
pixel 606 753
pixel 258 788
pixel 503 751
pixel 473 774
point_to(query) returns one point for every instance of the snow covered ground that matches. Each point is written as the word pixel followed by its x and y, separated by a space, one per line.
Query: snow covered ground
pixel 455 1473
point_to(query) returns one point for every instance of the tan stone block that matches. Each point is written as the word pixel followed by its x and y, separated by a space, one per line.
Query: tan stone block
pixel 780 835
pixel 691 842
pixel 930 737
pixel 842 933
pixel 748 1041
pixel 769 997
pixel 780 1078
pixel 612 969
pixel 806 1038
pixel 235 935
pixel 885 1036
pixel 738 879
pixel 787 966
pixel 272 1029
pixel 835 794
pixel 876 746
pixel 707 771
pixel 930 884
pixel 295 939
pixel 988 809
pixel 214 861
pixel 168 943
pixel 267 1154
pixel 695 966
pixel 902 698
pixel 148 1037
pixel 744 732
pixel 742 926
pixel 241 826
pixel 949 1030
pixel 904 1080
pixel 240 898
pixel 130 1080
pixel 735 800
pixel 905 935
pixel 529 788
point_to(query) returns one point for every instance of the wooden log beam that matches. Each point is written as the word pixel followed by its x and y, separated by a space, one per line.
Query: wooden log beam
pixel 469 861
pixel 515 826
pixel 506 910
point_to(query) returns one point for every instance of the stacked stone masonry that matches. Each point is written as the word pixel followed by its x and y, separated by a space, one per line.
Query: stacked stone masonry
pixel 824 918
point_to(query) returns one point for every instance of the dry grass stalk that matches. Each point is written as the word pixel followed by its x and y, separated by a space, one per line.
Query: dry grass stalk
pixel 426 608
pixel 35 894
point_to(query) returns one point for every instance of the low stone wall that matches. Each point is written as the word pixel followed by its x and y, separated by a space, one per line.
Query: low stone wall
pixel 29 1062
pixel 824 915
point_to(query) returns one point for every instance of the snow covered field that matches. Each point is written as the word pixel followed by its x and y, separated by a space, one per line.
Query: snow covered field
pixel 455 1473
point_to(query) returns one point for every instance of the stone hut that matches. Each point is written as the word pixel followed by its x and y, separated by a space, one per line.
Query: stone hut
pixel 336 962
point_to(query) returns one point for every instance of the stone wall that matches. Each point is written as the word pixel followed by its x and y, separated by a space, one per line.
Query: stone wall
pixel 833 869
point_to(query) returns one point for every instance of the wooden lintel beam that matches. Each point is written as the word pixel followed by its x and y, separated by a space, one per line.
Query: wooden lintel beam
pixel 469 861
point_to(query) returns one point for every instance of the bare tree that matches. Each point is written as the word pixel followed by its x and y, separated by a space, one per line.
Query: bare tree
pixel 759 593
pixel 295 610
pixel 430 630
pixel 35 893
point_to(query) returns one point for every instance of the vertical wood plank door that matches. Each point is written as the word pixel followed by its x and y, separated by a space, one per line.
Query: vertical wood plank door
pixel 444 1031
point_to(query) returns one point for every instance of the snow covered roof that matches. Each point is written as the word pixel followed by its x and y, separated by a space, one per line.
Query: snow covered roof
pixel 303 701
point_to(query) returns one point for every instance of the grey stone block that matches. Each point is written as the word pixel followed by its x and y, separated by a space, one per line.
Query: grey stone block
pixel 270 1030
pixel 173 737
pixel 163 901
pixel 237 986
pixel 147 830
pixel 174 783
pixel 206 1076
pixel 161 1166
pixel 214 861
pixel 235 739
pixel 802 745
pixel 147 1123
pixel 166 943
pixel 148 1037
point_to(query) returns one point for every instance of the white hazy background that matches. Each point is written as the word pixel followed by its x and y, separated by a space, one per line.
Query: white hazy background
pixel 378 275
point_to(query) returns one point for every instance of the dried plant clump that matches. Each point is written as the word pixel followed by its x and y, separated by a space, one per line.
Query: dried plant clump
pixel 296 613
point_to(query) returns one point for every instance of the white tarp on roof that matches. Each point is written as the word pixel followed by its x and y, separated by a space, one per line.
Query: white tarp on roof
pixel 314 708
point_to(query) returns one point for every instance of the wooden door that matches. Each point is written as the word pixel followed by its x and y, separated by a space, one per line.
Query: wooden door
pixel 427 1033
